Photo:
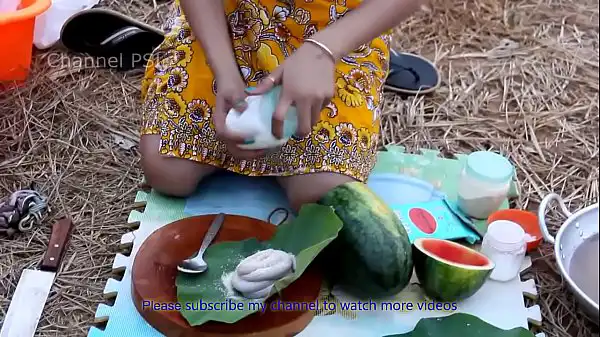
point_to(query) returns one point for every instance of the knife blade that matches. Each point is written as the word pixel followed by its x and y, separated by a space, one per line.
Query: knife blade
pixel 34 286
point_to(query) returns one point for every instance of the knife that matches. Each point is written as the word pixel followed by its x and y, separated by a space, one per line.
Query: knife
pixel 30 296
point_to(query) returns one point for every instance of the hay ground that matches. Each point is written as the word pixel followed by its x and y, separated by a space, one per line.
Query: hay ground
pixel 519 77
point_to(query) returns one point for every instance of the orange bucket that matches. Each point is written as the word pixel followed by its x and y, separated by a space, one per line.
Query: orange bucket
pixel 527 220
pixel 16 41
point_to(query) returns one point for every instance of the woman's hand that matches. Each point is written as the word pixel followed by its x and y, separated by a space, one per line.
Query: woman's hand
pixel 231 94
pixel 307 79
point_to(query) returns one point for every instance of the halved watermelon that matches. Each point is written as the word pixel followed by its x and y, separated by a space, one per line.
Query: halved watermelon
pixel 448 271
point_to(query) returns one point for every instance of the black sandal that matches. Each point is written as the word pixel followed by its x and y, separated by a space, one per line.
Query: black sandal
pixel 411 74
pixel 120 41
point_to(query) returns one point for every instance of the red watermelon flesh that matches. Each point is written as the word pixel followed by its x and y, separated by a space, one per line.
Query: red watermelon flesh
pixel 455 253
pixel 448 271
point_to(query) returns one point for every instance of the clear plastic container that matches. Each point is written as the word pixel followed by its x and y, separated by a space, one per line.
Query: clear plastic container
pixel 484 184
pixel 505 244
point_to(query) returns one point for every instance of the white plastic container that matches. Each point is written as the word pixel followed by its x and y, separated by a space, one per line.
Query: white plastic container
pixel 50 23
pixel 255 122
pixel 505 244
pixel 484 184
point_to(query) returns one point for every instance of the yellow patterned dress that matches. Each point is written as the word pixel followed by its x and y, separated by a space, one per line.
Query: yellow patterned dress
pixel 178 90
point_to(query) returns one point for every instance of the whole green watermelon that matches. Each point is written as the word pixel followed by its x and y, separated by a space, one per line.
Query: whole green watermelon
pixel 372 255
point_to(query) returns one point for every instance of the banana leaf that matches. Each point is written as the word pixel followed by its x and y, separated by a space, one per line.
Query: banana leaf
pixel 204 298
pixel 460 325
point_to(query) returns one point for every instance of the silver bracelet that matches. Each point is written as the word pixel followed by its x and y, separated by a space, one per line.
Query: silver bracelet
pixel 323 47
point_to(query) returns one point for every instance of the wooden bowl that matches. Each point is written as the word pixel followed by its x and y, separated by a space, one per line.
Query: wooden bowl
pixel 155 268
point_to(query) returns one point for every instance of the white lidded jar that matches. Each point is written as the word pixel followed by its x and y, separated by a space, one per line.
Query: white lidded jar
pixel 505 244
pixel 484 183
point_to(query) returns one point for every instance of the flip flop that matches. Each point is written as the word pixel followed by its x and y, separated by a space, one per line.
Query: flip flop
pixel 121 41
pixel 411 74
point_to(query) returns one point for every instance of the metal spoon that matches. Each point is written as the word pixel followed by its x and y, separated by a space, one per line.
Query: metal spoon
pixel 197 264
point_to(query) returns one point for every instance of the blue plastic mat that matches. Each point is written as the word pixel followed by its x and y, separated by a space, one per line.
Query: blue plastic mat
pixel 253 197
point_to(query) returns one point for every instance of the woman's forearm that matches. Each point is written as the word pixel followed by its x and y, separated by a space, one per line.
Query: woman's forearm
pixel 361 25
pixel 207 20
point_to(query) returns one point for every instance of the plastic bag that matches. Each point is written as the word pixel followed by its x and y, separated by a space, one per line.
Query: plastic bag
pixel 7 6
pixel 49 24
pixel 255 122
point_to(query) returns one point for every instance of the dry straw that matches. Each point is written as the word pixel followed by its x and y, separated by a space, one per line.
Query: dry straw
pixel 520 77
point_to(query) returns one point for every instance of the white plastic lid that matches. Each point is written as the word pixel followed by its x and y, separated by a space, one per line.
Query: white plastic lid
pixel 506 234
pixel 489 166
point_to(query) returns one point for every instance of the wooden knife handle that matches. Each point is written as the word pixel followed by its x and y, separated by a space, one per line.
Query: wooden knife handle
pixel 59 238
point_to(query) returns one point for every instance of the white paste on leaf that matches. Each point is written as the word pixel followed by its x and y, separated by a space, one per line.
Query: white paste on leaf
pixel 255 275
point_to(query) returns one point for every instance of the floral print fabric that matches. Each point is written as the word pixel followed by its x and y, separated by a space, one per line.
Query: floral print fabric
pixel 179 90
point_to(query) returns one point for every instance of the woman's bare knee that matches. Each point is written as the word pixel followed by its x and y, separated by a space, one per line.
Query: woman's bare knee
pixel 171 176
pixel 309 188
